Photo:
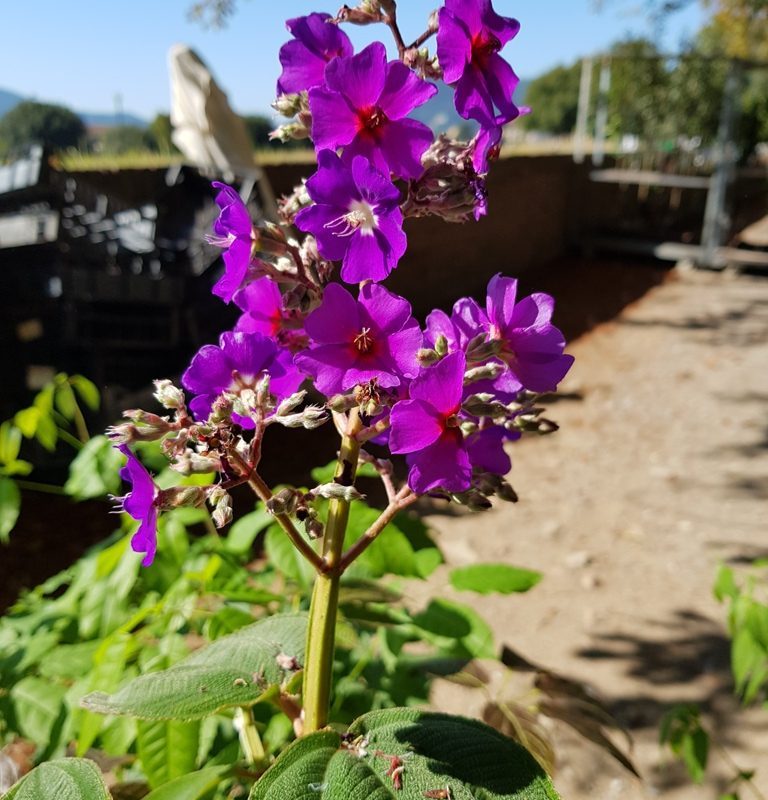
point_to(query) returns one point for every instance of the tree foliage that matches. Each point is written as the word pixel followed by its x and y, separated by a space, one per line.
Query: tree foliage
pixel 30 122
pixel 554 98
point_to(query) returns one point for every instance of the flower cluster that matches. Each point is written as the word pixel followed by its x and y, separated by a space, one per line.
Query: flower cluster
pixel 449 395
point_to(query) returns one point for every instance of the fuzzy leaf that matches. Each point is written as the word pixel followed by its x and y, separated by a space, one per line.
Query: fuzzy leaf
pixel 63 779
pixel 237 670
pixel 428 751
pixel 167 749
pixel 194 786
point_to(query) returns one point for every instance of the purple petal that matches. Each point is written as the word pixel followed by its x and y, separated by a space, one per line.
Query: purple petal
pixel 502 82
pixel 368 258
pixel 333 184
pixel 373 185
pixel 503 28
pixel 327 364
pixel 468 319
pixel 403 91
pixel 248 353
pixel 486 450
pixel 403 143
pixel 444 464
pixel 389 311
pixel 454 46
pixel 336 320
pixel 334 120
pixel 533 312
pixel 404 347
pixel 302 69
pixel 441 385
pixel 234 216
pixel 262 303
pixel 439 324
pixel 145 538
pixel 201 405
pixel 209 371
pixel 538 360
pixel 414 425
pixel 319 221
pixel 237 259
pixel 469 12
pixel 359 78
pixel 472 98
pixel 500 305
pixel 285 379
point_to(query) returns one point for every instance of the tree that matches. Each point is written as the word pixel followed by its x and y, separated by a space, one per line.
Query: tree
pixel 30 122
pixel 159 131
pixel 554 98
pixel 126 139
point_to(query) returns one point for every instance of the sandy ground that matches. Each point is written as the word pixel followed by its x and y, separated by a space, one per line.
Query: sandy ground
pixel 659 472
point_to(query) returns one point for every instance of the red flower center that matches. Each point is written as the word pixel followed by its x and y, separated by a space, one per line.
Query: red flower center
pixel 370 120
pixel 484 45
pixel 364 341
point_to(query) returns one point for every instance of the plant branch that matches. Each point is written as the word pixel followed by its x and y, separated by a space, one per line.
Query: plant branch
pixel 404 498
pixel 426 36
pixel 390 8
pixel 264 493
pixel 321 632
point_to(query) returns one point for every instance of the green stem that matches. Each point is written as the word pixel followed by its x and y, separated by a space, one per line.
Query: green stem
pixel 321 633
pixel 36 486
pixel 250 740
pixel 67 437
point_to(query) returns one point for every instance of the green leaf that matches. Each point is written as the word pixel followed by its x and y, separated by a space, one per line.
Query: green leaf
pixel 63 779
pixel 47 433
pixel 87 390
pixel 39 708
pixel 444 620
pixel 241 535
pixel 237 670
pixel 429 752
pixel 65 401
pixel 27 420
pixel 286 558
pixel 167 749
pixel 195 786
pixel 725 584
pixel 10 442
pixel 488 578
pixel 10 506
pixel 95 470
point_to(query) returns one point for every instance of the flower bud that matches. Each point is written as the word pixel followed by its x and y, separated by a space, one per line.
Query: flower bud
pixel 284 501
pixel 365 13
pixel 427 357
pixel 181 496
pixel 222 503
pixel 506 492
pixel 342 402
pixel 309 418
pixel 191 463
pixel 314 528
pixel 441 345
pixel 290 403
pixel 168 395
pixel 335 491
pixel 484 373
pixel 291 132
pixel 288 105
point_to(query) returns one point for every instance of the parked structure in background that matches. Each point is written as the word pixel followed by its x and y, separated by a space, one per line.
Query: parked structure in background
pixel 650 166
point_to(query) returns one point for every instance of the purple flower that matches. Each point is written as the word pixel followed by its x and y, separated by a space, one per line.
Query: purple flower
pixel 140 503
pixel 469 38
pixel 234 232
pixel 356 217
pixel 263 312
pixel 374 338
pixel 239 363
pixel 486 449
pixel 362 107
pixel 531 346
pixel 316 42
pixel 426 427
pixel 466 322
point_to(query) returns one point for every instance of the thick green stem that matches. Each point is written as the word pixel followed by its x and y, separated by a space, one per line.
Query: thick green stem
pixel 321 633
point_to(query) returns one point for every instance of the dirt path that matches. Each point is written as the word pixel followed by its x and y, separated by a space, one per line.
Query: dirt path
pixel 658 473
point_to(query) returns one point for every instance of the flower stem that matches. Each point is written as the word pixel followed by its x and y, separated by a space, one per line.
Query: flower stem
pixel 250 740
pixel 321 632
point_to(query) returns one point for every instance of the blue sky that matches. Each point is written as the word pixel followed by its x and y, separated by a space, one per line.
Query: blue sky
pixel 84 52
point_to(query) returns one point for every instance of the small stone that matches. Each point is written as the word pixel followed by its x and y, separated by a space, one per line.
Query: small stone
pixel 578 559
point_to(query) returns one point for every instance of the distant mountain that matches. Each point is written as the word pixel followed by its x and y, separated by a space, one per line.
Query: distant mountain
pixel 10 99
